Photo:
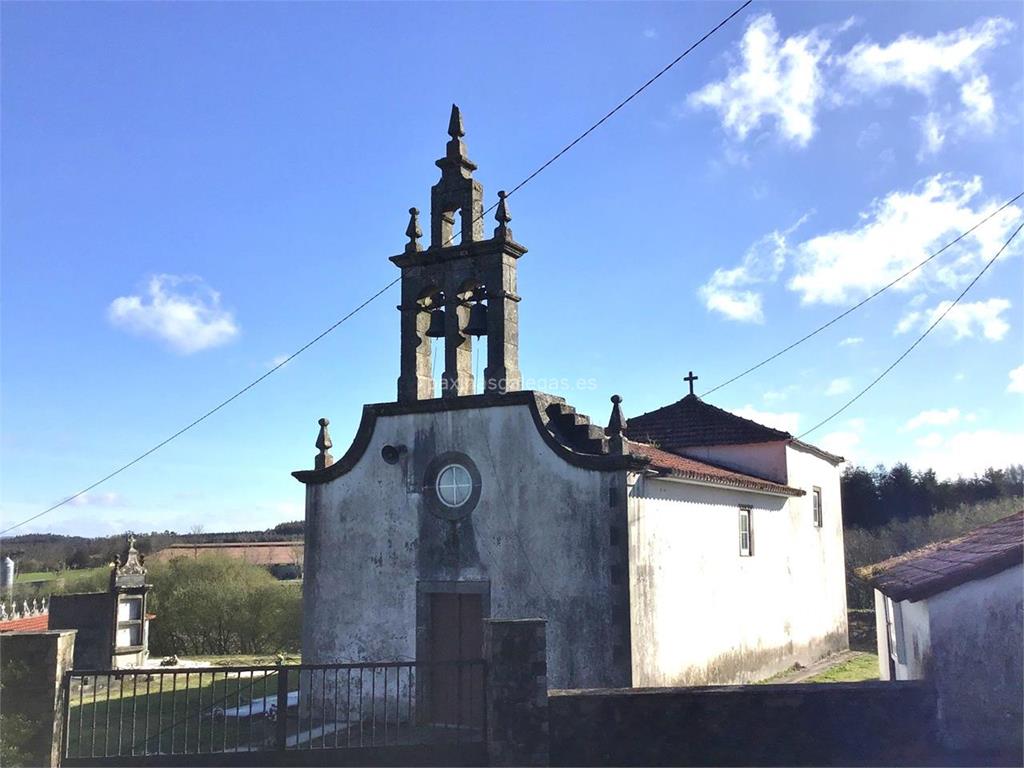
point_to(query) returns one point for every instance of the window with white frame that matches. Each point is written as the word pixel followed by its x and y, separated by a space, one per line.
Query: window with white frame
pixel 129 622
pixel 746 533
pixel 816 501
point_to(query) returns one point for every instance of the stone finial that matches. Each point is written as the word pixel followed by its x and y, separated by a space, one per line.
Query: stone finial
pixel 455 129
pixel 323 444
pixel 3 612
pixel 413 232
pixel 131 572
pixel 503 217
pixel 616 426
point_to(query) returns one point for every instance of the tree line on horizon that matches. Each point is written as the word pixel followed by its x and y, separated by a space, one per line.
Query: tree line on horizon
pixel 876 497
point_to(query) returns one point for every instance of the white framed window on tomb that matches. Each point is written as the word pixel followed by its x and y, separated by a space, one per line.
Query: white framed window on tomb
pixel 816 506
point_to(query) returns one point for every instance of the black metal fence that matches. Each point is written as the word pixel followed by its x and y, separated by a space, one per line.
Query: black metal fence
pixel 132 715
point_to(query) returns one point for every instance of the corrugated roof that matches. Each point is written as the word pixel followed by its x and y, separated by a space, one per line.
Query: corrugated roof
pixel 701 471
pixel 940 566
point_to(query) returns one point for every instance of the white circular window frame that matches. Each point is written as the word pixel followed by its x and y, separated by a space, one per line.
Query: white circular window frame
pixel 462 480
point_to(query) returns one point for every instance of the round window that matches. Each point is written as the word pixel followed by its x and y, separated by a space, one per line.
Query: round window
pixel 454 485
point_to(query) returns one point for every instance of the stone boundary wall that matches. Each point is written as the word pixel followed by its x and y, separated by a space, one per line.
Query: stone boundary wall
pixel 796 724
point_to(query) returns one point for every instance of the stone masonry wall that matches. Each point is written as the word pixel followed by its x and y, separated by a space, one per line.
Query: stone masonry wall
pixel 32 669
pixel 810 724
pixel 517 692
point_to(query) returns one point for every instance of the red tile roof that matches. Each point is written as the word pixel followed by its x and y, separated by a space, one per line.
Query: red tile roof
pixel 702 471
pixel 691 422
pixel 26 624
pixel 255 552
pixel 940 566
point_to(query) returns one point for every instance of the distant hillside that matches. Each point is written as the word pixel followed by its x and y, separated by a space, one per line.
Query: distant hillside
pixel 53 552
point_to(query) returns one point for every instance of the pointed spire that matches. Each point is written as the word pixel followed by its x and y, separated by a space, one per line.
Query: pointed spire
pixel 413 232
pixel 616 426
pixel 323 444
pixel 455 129
pixel 503 217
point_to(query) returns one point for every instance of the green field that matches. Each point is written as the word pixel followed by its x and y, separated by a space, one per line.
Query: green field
pixel 862 666
pixel 141 714
pixel 69 577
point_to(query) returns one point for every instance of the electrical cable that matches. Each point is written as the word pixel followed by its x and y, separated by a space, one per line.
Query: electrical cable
pixel 920 338
pixel 306 346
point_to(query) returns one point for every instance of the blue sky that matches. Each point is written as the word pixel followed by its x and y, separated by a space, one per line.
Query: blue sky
pixel 192 190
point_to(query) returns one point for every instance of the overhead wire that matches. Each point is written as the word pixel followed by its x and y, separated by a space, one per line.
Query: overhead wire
pixel 919 339
pixel 864 301
pixel 379 293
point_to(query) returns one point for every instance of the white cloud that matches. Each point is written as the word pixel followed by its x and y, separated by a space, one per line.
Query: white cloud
pixel 779 394
pixel 838 387
pixel 978 102
pixel 781 84
pixel 728 291
pixel 897 232
pixel 183 311
pixel 277 360
pixel 1016 380
pixel 847 442
pixel 107 499
pixel 778 81
pixel 970 453
pixel 851 341
pixel 650 33
pixel 965 320
pixel 789 422
pixel 931 440
pixel 933 418
pixel 869 136
pixel 933 135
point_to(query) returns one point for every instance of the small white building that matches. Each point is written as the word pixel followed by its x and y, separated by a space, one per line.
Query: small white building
pixel 689 546
pixel 953 612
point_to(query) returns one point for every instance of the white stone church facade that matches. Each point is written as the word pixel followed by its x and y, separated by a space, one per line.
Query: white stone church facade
pixel 688 546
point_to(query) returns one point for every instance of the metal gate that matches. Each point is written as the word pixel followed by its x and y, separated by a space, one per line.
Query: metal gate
pixel 306 714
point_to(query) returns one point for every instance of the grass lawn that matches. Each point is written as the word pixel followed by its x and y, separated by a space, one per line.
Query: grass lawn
pixel 172 712
pixel 860 667
pixel 244 660
pixel 70 577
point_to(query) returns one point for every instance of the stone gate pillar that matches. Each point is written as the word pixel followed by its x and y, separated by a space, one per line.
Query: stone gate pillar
pixel 33 667
pixel 517 691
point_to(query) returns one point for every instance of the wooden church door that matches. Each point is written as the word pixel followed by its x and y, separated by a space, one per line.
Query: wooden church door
pixel 456 635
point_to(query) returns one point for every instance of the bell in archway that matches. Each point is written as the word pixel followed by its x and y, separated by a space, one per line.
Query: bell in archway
pixel 436 328
pixel 477 323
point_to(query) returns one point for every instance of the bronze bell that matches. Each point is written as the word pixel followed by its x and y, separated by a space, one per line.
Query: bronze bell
pixel 477 323
pixel 436 327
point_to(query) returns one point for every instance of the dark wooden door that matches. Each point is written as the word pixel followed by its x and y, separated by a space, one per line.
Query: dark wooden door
pixel 456 635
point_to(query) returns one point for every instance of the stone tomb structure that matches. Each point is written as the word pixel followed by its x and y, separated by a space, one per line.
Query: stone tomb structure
pixel 113 626
pixel 687 546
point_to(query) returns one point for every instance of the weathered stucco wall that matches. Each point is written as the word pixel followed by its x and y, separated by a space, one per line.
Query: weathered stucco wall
pixel 701 613
pixel 977 661
pixel 539 537
pixel 767 460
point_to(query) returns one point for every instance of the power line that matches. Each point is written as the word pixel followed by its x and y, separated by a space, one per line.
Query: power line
pixel 324 333
pixel 861 303
pixel 920 338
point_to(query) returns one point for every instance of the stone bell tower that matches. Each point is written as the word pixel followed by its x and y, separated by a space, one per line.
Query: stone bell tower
pixel 460 288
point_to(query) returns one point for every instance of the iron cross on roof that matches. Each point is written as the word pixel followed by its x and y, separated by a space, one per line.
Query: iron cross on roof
pixel 690 379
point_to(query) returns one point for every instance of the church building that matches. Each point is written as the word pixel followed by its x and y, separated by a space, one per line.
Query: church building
pixel 686 546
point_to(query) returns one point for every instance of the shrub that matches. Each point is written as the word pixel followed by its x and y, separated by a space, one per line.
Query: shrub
pixel 215 605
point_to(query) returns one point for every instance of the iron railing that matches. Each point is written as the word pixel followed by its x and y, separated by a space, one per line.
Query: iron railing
pixel 207 710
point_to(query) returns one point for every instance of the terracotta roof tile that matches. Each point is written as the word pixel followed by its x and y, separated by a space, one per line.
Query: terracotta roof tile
pixel 691 422
pixel 691 469
pixel 940 566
